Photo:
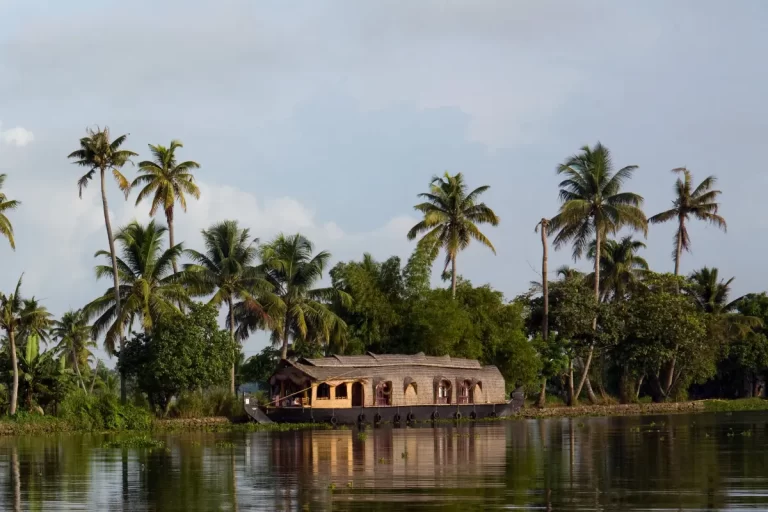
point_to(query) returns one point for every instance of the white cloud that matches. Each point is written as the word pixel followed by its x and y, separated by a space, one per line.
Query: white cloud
pixel 16 136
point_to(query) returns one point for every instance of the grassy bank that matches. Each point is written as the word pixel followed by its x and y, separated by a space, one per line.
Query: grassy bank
pixel 550 411
pixel 131 421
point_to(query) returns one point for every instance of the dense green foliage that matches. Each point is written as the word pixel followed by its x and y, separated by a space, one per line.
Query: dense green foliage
pixel 626 329
pixel 183 353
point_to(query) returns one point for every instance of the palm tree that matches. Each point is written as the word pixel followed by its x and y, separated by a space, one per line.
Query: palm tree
pixel 293 270
pixel 149 291
pixel 701 203
pixel 227 270
pixel 710 292
pixel 451 217
pixel 20 318
pixel 544 225
pixel 98 152
pixel 74 336
pixel 6 228
pixel 594 207
pixel 167 182
pixel 620 266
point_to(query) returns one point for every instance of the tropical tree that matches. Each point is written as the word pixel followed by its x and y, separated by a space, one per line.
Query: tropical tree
pixel 6 228
pixel 20 318
pixel 710 292
pixel 620 266
pixel 99 153
pixel 74 340
pixel 451 217
pixel 293 270
pixel 227 270
pixel 594 207
pixel 699 203
pixel 149 289
pixel 34 367
pixel 544 225
pixel 166 181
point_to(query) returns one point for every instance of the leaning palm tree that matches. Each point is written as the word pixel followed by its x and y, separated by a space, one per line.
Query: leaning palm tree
pixel 20 318
pixel 74 340
pixel 293 270
pixel 166 181
pixel 451 217
pixel 700 203
pixel 99 153
pixel 594 207
pixel 227 270
pixel 620 266
pixel 6 228
pixel 149 291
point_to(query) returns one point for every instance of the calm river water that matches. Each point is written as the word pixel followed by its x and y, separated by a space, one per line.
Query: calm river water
pixel 677 462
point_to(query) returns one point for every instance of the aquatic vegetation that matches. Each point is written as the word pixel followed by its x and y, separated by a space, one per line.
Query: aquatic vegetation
pixel 224 444
pixel 135 442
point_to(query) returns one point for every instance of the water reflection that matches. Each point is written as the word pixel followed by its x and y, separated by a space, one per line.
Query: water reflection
pixel 703 462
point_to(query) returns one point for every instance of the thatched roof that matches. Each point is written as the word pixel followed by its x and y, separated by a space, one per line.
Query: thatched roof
pixel 389 366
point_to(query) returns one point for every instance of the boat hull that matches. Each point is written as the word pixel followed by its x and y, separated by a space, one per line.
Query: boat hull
pixel 386 414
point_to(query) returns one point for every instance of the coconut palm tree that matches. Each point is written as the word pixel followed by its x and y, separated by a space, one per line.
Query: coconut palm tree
pixel 6 228
pixel 594 207
pixel 149 291
pixel 620 266
pixel 451 217
pixel 20 318
pixel 74 340
pixel 99 153
pixel 166 181
pixel 293 270
pixel 544 225
pixel 227 270
pixel 699 203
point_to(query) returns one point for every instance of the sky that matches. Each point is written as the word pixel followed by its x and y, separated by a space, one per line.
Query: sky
pixel 328 118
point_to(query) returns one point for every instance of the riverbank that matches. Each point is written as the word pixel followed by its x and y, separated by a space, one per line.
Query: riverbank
pixel 643 409
pixel 42 425
pixel 26 424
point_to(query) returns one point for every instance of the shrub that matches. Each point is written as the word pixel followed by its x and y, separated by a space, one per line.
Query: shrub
pixel 190 404
pixel 88 412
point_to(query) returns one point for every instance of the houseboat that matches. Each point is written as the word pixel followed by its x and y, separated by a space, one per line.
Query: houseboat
pixel 374 388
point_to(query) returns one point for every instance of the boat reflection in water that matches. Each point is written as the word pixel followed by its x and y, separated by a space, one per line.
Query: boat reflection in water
pixel 366 465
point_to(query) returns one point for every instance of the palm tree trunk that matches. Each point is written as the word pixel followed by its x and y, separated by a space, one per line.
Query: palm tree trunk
pixel 453 276
pixel 545 292
pixel 571 395
pixel 544 280
pixel 585 374
pixel 286 333
pixel 169 220
pixel 678 253
pixel 542 394
pixel 232 339
pixel 116 280
pixel 93 382
pixel 15 364
pixel 77 370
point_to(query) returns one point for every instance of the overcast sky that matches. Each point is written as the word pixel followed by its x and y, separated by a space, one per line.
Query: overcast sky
pixel 329 117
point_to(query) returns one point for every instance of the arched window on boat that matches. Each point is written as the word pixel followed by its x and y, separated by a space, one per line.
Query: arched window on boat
pixel 410 391
pixel 341 391
pixel 384 393
pixel 465 392
pixel 443 392
pixel 323 391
